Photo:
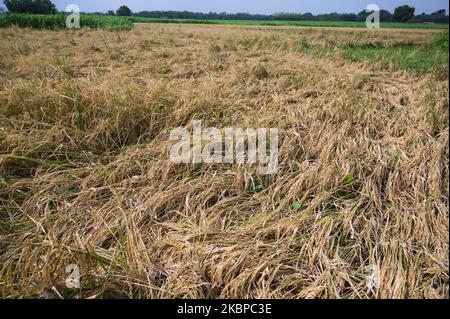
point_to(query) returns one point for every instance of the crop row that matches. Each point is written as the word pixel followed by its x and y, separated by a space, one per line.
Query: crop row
pixel 58 21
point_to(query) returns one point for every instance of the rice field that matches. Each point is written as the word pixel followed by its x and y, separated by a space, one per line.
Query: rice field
pixel 357 209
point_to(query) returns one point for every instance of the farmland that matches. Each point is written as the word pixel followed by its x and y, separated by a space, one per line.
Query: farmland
pixel 335 24
pixel 85 175
pixel 58 21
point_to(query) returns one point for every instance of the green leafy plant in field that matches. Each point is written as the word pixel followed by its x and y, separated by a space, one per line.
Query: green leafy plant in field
pixel 5 179
pixel 296 206
pixel 349 178
pixel 258 188
pixel 58 21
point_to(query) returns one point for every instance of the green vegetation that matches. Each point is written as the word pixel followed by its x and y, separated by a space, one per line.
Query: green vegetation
pixel 420 58
pixel 404 13
pixel 296 206
pixel 337 24
pixel 58 21
pixel 30 6
pixel 123 11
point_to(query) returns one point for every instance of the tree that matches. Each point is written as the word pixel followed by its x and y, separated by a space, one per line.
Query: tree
pixel 111 13
pixel 30 6
pixel 44 6
pixel 439 12
pixel 123 11
pixel 439 16
pixel 404 13
pixel 386 16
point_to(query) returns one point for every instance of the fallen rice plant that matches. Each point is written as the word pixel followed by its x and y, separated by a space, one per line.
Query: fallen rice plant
pixel 85 176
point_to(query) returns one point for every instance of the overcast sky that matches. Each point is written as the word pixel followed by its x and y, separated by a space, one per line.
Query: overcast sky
pixel 253 6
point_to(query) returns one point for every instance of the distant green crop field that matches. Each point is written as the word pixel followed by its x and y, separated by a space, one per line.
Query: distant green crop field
pixel 58 21
pixel 341 24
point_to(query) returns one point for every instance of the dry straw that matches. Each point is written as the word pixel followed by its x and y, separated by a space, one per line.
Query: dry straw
pixel 85 119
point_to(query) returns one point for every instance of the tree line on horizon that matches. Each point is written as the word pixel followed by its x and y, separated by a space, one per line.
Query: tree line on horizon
pixel 403 13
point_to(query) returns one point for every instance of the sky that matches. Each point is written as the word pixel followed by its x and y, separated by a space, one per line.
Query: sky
pixel 253 6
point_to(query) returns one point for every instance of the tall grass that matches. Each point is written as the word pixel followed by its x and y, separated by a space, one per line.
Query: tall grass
pixel 58 21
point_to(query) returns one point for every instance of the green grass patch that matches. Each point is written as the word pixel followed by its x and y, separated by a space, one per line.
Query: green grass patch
pixel 431 57
pixel 58 21
pixel 339 24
